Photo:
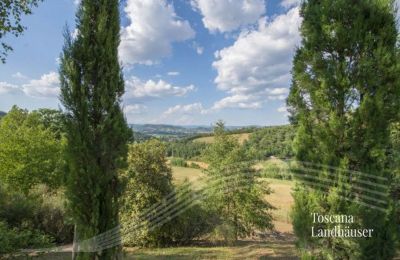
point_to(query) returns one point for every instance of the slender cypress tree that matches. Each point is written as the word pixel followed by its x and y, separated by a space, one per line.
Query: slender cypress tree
pixel 344 95
pixel 97 132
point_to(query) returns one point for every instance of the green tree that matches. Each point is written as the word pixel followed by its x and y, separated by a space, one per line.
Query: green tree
pixel 344 94
pixel 149 181
pixel 10 21
pixel 91 89
pixel 30 153
pixel 235 194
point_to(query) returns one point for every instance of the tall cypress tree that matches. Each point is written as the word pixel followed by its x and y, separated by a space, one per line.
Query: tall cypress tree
pixel 344 95
pixel 97 132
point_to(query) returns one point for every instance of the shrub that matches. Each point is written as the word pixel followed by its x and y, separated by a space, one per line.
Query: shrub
pixel 12 239
pixel 194 165
pixel 178 162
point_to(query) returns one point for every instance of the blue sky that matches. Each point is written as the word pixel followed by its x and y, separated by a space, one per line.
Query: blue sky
pixel 185 61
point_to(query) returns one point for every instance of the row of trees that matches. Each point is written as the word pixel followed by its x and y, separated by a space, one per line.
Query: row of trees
pixel 344 98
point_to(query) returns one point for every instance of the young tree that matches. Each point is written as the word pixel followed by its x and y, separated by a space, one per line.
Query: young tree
pixel 344 94
pixel 91 89
pixel 149 181
pixel 236 194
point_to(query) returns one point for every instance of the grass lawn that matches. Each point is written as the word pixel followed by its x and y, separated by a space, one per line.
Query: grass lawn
pixel 272 249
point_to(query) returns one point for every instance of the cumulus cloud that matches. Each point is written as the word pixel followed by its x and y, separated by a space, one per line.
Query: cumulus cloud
pixel 228 15
pixel 19 75
pixel 290 3
pixel 238 101
pixel 7 88
pixel 183 114
pixel 136 88
pixel 134 109
pixel 282 109
pixel 47 86
pixel 257 66
pixel 154 28
pixel 194 108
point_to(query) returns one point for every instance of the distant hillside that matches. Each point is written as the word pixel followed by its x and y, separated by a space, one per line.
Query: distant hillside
pixel 169 130
pixel 2 114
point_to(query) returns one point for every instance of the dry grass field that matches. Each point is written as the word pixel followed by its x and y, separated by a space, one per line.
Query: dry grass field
pixel 210 139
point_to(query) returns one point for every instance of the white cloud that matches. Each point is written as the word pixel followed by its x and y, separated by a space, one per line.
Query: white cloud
pixel 257 66
pixel 183 114
pixel 194 108
pixel 238 101
pixel 47 86
pixel 282 109
pixel 199 50
pixel 173 73
pixel 7 88
pixel 135 109
pixel 229 15
pixel 290 3
pixel 154 28
pixel 19 75
pixel 136 88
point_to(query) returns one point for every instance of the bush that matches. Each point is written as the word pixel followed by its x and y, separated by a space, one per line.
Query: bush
pixel 40 211
pixel 193 223
pixel 149 181
pixel 179 162
pixel 194 165
pixel 12 239
pixel 276 170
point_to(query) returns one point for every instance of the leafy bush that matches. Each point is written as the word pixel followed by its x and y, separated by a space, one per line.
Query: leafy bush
pixel 12 239
pixel 40 211
pixel 276 170
pixel 193 223
pixel 179 162
pixel 194 165
pixel 149 181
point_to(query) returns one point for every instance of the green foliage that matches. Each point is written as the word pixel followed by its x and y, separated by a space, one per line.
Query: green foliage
pixel 12 239
pixel 271 141
pixel 38 218
pixel 186 149
pixel 236 193
pixel 195 222
pixel 91 90
pixel 30 153
pixel 10 21
pixel 178 162
pixel 276 169
pixel 149 180
pixel 194 165
pixel 344 94
pixel 52 119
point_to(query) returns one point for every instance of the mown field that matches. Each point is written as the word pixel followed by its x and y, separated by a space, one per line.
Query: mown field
pixel 210 139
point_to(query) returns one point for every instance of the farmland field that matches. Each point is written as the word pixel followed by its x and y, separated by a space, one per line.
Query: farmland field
pixel 210 139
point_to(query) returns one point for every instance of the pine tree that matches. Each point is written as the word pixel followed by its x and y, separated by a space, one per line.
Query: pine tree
pixel 97 132
pixel 344 95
